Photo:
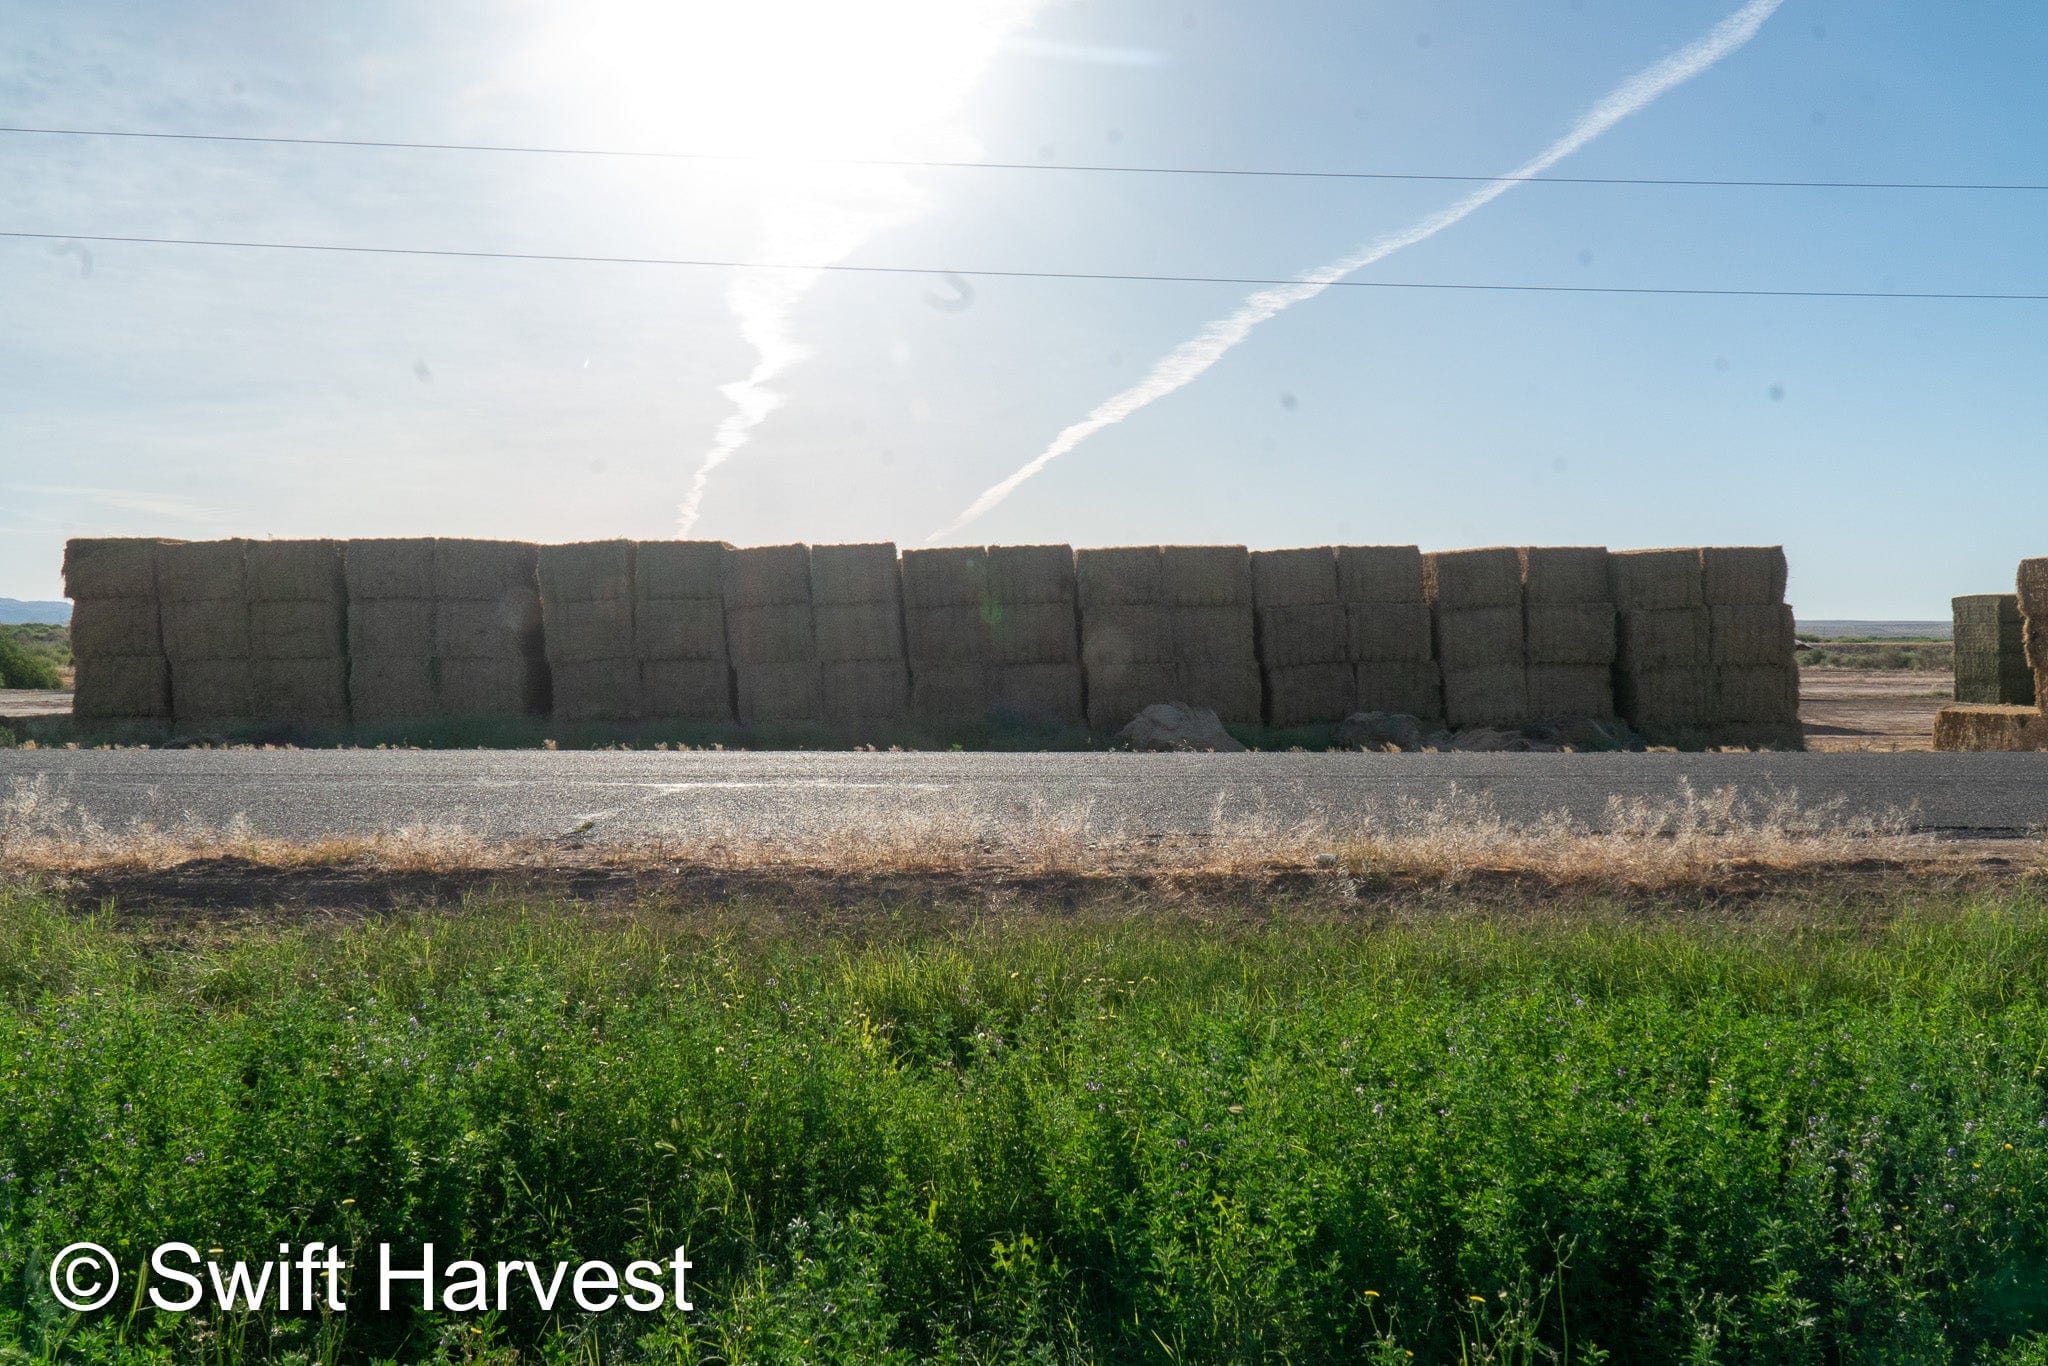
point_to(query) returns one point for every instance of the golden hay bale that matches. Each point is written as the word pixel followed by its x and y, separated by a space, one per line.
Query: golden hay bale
pixel 1388 632
pixel 1384 574
pixel 1553 575
pixel 1577 633
pixel 210 690
pixel 1235 692
pixel 1415 688
pixel 1119 576
pixel 594 690
pixel 1497 696
pixel 586 571
pixel 689 571
pixel 389 568
pixel 1309 633
pixel 1023 574
pixel 505 627
pixel 1751 634
pixel 121 687
pixel 299 629
pixel 1990 729
pixel 115 627
pixel 953 576
pixel 782 634
pixel 686 690
pixel 1669 638
pixel 847 575
pixel 1734 575
pixel 493 687
pixel 786 693
pixel 1214 635
pixel 1655 580
pixel 206 628
pixel 383 628
pixel 1984 623
pixel 1307 694
pixel 957 633
pixel 1044 693
pixel 1306 577
pixel 680 629
pixel 1121 637
pixel 305 691
pixel 1559 691
pixel 201 571
pixel 586 630
pixel 1117 694
pixel 485 569
pixel 1205 575
pixel 862 693
pixel 1663 700
pixel 1465 580
pixel 951 693
pixel 768 576
pixel 1480 638
pixel 1034 633
pixel 294 571
pixel 860 632
pixel 2033 588
pixel 1761 693
pixel 111 567
pixel 391 687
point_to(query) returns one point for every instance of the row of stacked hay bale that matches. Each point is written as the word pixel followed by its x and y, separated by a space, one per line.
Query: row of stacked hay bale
pixel 636 629
pixel 1984 633
pixel 117 637
pixel 443 627
pixel 992 631
pixel 1706 643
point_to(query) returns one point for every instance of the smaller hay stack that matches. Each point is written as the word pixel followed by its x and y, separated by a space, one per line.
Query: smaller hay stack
pixel 204 587
pixel 772 636
pixel 1569 630
pixel 586 609
pixel 1303 636
pixel 116 634
pixel 1387 630
pixel 1034 633
pixel 1752 646
pixel 950 650
pixel 1991 651
pixel 391 669
pixel 298 624
pixel 857 607
pixel 1126 632
pixel 2033 596
pixel 679 642
pixel 1475 602
pixel 1664 655
pixel 1208 595
pixel 488 649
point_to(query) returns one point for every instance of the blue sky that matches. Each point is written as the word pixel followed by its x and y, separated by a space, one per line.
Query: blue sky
pixel 1894 447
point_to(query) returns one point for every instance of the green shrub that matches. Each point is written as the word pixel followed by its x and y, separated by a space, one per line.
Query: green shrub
pixel 22 668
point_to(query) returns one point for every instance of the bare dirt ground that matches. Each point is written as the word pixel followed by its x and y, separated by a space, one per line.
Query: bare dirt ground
pixel 1880 710
pixel 33 702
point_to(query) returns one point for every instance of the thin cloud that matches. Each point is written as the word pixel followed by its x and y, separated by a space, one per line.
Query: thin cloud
pixel 128 500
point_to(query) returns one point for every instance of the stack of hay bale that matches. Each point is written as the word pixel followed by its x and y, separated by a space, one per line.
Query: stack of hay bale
pixel 298 615
pixel 685 669
pixel 1751 644
pixel 1303 636
pixel 1664 649
pixel 951 653
pixel 1387 630
pixel 2033 596
pixel 1208 595
pixel 1475 603
pixel 586 606
pixel 1030 616
pixel 487 629
pixel 390 629
pixel 116 636
pixel 1991 651
pixel 1568 628
pixel 857 606
pixel 204 587
pixel 772 636
pixel 1126 638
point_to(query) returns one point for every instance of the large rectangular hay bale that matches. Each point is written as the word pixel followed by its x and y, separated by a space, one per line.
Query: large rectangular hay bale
pixel 507 626
pixel 948 693
pixel 1667 638
pixel 1303 577
pixel 307 691
pixel 859 632
pixel 1559 691
pixel 296 628
pixel 1119 576
pixel 1757 693
pixel 1205 575
pixel 493 687
pixel 593 689
pixel 1480 638
pixel 1309 694
pixel 198 571
pixel 1384 574
pixel 391 687
pixel 1496 696
pixel 1043 693
pixel 1117 694
pixel 1660 701
pixel 865 693
pixel 1734 575
pixel 950 576
pixel 1990 729
pixel 1994 680
pixel 294 571
pixel 784 633
pixel 781 693
pixel 1413 687
pixel 847 575
pixel 586 571
pixel 680 628
pixel 389 567
pixel 1752 634
pixel 1034 633
pixel 1235 692
pixel 1218 635
pixel 390 627
pixel 211 690
pixel 956 633
pixel 1554 575
pixel 1020 574
pixel 1466 580
pixel 690 571
pixel 1121 638
pixel 1389 632
pixel 577 630
pixel 121 687
pixel 768 576
pixel 108 626
pixel 474 569
pixel 1574 633
pixel 1990 624
pixel 205 628
pixel 686 690
pixel 111 567
pixel 1655 580
pixel 1292 636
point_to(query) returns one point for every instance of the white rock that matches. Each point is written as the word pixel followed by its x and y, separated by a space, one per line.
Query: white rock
pixel 1173 726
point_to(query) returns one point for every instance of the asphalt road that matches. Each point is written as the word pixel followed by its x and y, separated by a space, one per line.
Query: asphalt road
pixel 618 794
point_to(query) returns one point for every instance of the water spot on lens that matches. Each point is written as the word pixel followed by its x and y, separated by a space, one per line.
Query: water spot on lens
pixel 1422 40
pixel 422 373
pixel 1777 393
pixel 1114 135
pixel 1585 256
pixel 1289 402
pixel 1721 364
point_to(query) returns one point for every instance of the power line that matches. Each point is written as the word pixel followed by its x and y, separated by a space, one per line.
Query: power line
pixel 1126 277
pixel 1081 167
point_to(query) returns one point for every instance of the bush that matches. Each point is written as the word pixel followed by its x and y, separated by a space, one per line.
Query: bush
pixel 21 669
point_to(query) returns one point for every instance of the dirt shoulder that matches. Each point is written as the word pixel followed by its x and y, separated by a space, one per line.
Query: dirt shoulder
pixel 1872 710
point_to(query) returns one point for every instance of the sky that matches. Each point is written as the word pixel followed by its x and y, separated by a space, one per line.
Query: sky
pixel 1895 447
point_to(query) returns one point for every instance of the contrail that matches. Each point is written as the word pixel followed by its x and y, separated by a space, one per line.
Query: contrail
pixel 1186 362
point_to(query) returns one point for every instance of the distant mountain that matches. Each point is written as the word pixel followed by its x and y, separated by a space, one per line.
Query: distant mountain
pixel 14 611
pixel 1877 630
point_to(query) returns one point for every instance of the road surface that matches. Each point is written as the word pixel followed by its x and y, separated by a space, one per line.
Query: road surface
pixel 626 795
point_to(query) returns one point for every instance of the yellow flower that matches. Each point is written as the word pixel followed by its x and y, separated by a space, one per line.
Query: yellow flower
pixel 1372 1294
pixel 1477 1299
